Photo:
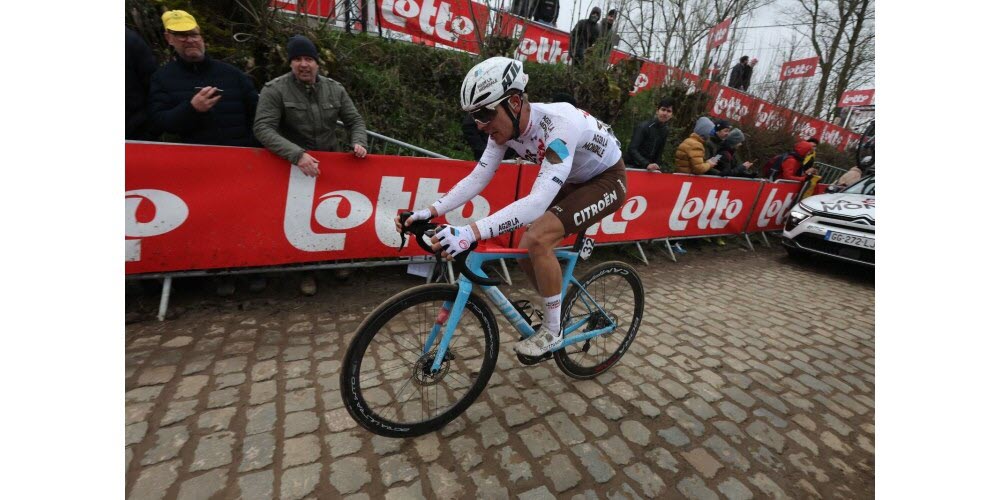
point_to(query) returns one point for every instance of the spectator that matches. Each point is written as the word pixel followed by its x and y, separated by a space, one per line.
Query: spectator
pixel 139 68
pixel 792 166
pixel 564 97
pixel 202 100
pixel 547 12
pixel 299 111
pixel 729 165
pixel 607 36
pixel 608 23
pixel 520 8
pixel 477 139
pixel 649 138
pixel 850 177
pixel 739 77
pixel 584 35
pixel 714 142
pixel 690 155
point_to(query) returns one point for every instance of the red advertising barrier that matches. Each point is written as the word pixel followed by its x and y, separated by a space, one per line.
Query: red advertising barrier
pixel 448 22
pixel 318 8
pixel 705 206
pixel 671 205
pixel 213 207
pixel 207 207
pixel 771 117
pixel 741 108
pixel 732 105
pixel 651 74
pixel 640 217
pixel 540 43
pixel 773 204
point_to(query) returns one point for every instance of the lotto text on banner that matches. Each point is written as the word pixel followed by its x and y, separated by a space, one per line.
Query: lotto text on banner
pixel 448 22
pixel 207 207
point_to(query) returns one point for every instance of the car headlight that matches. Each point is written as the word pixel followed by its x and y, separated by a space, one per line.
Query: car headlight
pixel 795 216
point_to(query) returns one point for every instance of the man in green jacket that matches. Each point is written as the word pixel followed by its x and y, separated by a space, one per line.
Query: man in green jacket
pixel 298 111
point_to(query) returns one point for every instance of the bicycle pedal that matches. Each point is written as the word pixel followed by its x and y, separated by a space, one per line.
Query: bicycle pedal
pixel 532 360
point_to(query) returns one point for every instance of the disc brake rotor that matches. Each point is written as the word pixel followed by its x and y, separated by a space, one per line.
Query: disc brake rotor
pixel 422 374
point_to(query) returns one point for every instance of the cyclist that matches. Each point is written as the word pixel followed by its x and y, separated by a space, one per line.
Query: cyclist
pixel 582 180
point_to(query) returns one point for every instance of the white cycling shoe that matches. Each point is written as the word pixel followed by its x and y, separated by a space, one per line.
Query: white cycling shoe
pixel 540 343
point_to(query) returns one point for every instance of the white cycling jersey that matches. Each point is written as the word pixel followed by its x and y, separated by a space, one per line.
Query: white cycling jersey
pixel 571 145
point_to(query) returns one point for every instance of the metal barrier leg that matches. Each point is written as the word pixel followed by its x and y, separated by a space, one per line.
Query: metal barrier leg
pixel 671 250
pixel 763 234
pixel 642 254
pixel 506 274
pixel 749 243
pixel 164 298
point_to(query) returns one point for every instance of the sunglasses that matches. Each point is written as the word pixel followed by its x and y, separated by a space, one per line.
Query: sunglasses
pixel 486 114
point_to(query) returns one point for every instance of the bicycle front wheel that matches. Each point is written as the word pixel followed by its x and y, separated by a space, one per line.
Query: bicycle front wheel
pixel 386 382
pixel 616 288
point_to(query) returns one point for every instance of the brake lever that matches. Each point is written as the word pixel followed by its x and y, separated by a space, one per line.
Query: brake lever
pixel 402 229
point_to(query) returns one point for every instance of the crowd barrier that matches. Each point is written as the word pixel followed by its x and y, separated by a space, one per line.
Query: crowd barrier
pixel 203 209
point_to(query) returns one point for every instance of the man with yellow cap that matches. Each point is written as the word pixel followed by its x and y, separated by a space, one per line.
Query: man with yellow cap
pixel 197 98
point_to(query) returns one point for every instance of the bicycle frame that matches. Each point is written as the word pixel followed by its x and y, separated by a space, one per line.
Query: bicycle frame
pixel 475 262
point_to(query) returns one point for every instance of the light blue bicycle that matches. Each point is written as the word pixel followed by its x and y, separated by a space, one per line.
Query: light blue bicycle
pixel 424 356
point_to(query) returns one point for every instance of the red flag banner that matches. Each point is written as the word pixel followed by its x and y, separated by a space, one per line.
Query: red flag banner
pixel 801 68
pixel 651 74
pixel 318 8
pixel 448 22
pixel 719 34
pixel 856 98
pixel 539 43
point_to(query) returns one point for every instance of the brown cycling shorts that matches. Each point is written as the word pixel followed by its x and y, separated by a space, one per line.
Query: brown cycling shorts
pixel 579 206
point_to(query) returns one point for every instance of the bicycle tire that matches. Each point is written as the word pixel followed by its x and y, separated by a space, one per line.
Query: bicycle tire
pixel 379 327
pixel 577 360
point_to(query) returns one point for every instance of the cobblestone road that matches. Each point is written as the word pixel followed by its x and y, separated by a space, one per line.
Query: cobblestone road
pixel 752 377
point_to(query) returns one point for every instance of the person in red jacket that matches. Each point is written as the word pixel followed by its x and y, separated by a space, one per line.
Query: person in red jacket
pixel 791 168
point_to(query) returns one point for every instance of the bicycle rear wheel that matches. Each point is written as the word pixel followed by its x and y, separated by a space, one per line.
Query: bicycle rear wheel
pixel 386 383
pixel 617 289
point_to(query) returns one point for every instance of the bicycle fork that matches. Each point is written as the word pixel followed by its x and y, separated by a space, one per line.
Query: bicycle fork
pixel 449 322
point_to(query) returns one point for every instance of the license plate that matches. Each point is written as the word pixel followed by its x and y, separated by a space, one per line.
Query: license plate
pixel 850 239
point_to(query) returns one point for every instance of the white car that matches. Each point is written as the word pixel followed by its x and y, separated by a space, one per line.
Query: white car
pixel 838 225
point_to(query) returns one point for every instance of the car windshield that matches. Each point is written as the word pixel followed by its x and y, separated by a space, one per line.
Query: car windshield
pixel 865 186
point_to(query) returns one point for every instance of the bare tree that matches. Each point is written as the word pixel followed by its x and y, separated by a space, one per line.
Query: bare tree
pixel 839 32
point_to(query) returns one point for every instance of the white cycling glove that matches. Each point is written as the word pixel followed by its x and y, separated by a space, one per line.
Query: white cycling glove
pixel 422 214
pixel 455 240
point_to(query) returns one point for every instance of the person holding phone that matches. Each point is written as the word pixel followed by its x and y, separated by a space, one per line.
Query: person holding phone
pixel 729 165
pixel 197 99
pixel 690 155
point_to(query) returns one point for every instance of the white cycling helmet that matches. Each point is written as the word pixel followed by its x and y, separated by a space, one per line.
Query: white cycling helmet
pixel 491 81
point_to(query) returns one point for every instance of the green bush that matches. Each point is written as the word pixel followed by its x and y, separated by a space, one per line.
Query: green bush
pixel 410 92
